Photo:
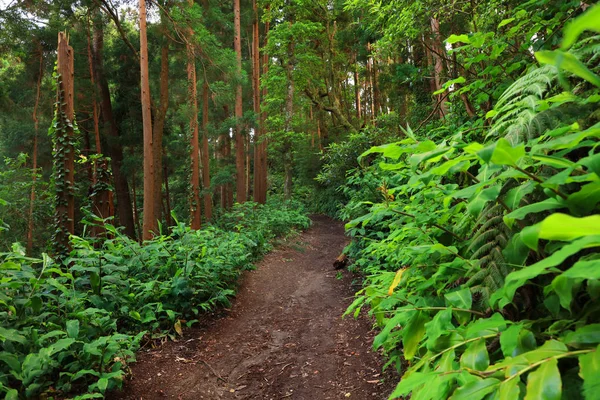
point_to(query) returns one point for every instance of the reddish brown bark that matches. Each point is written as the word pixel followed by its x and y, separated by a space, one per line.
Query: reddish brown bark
pixel 113 148
pixel 64 148
pixel 195 208
pixel 149 227
pixel 260 148
pixel 34 157
pixel 239 137
pixel 206 155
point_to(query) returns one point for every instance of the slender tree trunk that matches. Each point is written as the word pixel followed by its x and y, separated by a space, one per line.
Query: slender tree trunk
pixel 206 155
pixel 30 224
pixel 149 226
pixel 195 207
pixel 160 115
pixel 239 137
pixel 64 149
pixel 357 90
pixel 114 149
pixel 94 95
pixel 167 195
pixel 439 64
pixel 260 176
pixel 136 214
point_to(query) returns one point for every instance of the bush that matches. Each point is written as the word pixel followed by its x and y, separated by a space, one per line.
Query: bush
pixel 75 327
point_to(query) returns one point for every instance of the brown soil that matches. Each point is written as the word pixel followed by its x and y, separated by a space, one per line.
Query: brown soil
pixel 284 337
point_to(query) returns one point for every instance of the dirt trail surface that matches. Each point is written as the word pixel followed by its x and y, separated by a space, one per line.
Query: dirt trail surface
pixel 282 339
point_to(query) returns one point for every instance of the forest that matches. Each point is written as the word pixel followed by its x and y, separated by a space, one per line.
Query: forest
pixel 154 151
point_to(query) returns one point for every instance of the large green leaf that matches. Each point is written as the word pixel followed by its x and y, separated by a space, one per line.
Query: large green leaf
pixel 586 335
pixel 413 333
pixel 585 200
pixel 561 227
pixel 589 370
pixel 476 356
pixel 476 390
pixel 410 382
pixel 545 205
pixel 589 20
pixel 568 62
pixel 516 279
pixel 502 153
pixel 545 382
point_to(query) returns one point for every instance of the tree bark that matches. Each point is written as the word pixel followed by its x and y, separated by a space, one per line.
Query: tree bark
pixel 239 137
pixel 206 155
pixel 357 90
pixel 64 149
pixel 114 149
pixel 160 115
pixel 437 45
pixel 260 142
pixel 149 227
pixel 195 208
pixel 34 157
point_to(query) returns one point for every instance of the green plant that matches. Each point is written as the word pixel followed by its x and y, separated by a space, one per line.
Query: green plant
pixel 481 258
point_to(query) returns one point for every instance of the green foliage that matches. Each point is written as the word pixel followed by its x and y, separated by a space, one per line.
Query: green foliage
pixel 481 257
pixel 75 326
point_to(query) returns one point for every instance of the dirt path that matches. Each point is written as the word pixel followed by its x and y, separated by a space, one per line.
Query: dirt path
pixel 282 339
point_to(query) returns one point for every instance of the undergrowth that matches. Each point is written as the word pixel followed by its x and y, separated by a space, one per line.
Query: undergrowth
pixel 480 250
pixel 75 327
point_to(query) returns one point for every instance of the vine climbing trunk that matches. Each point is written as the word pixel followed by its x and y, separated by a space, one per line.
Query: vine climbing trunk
pixel 149 226
pixel 64 148
pixel 239 137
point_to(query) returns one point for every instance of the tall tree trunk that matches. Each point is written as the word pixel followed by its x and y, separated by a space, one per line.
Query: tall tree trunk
pixel 64 149
pixel 150 226
pixel 114 148
pixel 34 157
pixel 195 207
pixel 438 69
pixel 239 137
pixel 259 176
pixel 167 195
pixel 160 115
pixel 136 214
pixel 357 90
pixel 206 155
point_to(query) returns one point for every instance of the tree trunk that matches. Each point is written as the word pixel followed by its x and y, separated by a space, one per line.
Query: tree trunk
pixel 64 149
pixel 438 69
pixel 34 157
pixel 357 90
pixel 167 196
pixel 195 208
pixel 149 227
pixel 239 137
pixel 260 173
pixel 206 155
pixel 160 115
pixel 114 149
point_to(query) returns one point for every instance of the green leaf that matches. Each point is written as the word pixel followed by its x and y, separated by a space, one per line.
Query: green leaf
pixel 476 390
pixel 458 39
pixel 11 335
pixel 509 390
pixel 460 298
pixel 505 154
pixel 516 279
pixel 12 394
pixel 73 328
pixel 505 22
pixel 561 227
pixel 568 62
pixel 545 382
pixel 398 319
pixel 586 335
pixel 545 205
pixel 476 356
pixel 61 345
pixel 585 200
pixel 589 370
pixel 102 384
pixel 409 383
pixel 413 333
pixel 485 326
pixel 589 20
pixel 480 200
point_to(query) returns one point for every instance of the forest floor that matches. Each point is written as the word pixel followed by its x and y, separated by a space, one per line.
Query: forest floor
pixel 283 337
